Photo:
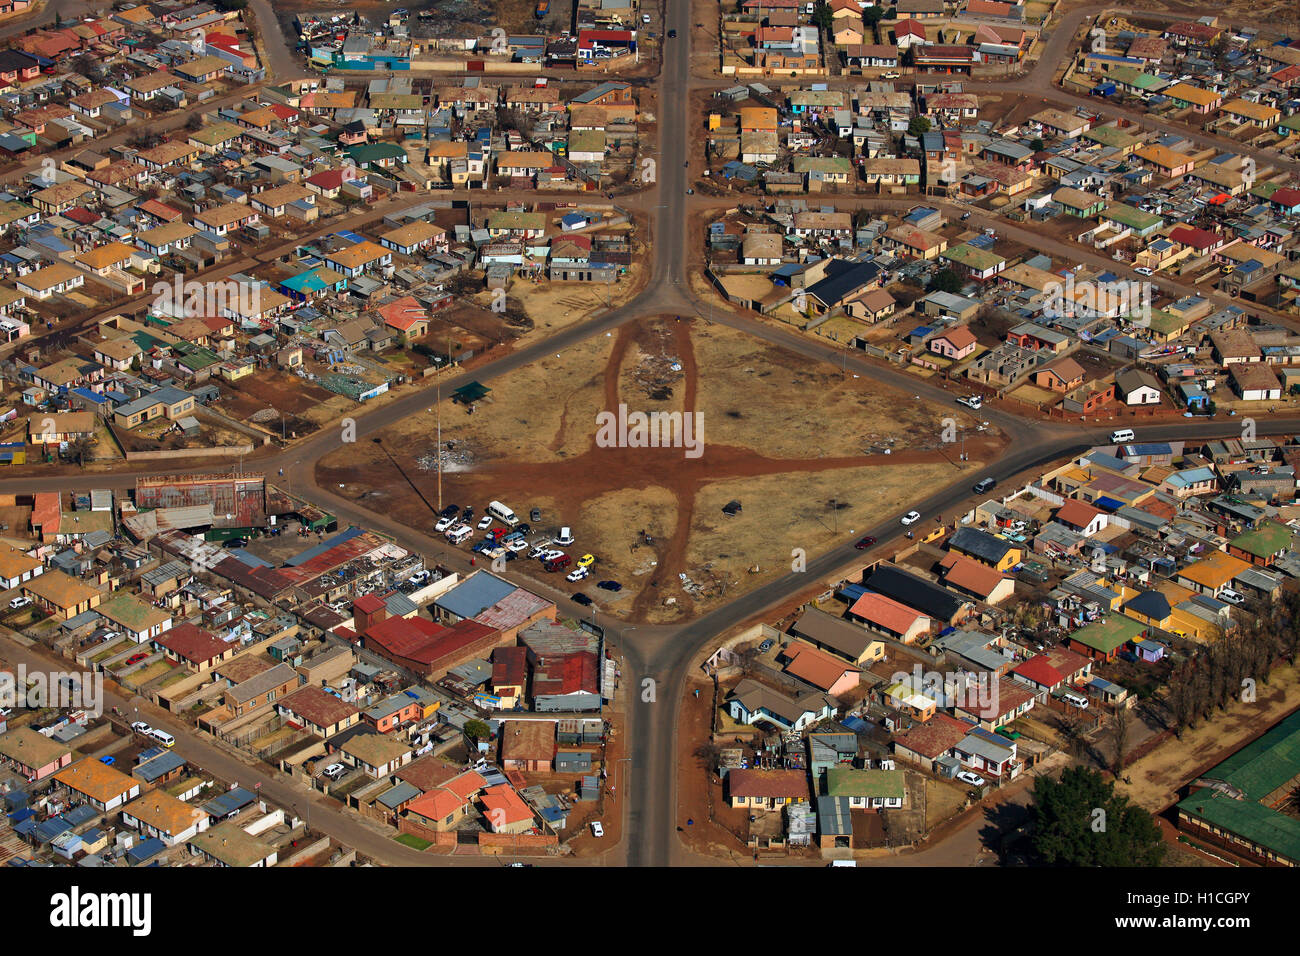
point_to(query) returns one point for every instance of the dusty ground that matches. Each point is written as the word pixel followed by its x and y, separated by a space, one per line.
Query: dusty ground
pixel 536 444
pixel 1158 776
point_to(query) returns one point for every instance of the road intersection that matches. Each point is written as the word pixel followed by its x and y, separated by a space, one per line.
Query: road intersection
pixel 663 654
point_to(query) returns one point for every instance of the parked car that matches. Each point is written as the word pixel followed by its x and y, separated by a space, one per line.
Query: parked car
pixel 580 598
pixel 524 529
pixel 577 574
pixel 672 35
pixel 565 537
pixel 485 522
pixel 334 771
pixel 596 829
pixel 136 658
pixel 765 646
pixel 539 552
pixel 107 761
pixel 865 543
pixel 586 561
pixel 1144 271
pixel 965 216
pixel 558 564
pixel 974 779
pixel 449 512
pixel 467 515
pixel 911 517
pixel 19 602
pixel 971 401
pixel 551 554
pixel 140 727
pixel 236 543
pixel 419 577
pixel 1229 596
pixel 984 485
pixel 611 586
pixel 517 545
pixel 443 524
pixel 535 515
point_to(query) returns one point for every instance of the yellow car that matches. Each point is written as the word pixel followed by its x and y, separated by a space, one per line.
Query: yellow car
pixel 586 561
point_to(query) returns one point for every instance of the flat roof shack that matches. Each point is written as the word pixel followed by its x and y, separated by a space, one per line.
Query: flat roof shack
pixel 100 785
pixel 228 844
pixel 33 755
pixel 320 713
pixel 429 649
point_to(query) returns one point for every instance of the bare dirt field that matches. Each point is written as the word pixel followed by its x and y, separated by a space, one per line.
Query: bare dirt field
pixel 763 415
pixel 303 405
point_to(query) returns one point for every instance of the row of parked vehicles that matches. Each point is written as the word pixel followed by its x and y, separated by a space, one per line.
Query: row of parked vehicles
pixel 507 537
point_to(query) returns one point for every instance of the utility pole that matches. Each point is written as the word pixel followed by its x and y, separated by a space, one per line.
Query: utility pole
pixel 439 410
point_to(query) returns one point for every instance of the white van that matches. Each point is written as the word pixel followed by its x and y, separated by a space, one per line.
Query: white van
pixel 1076 700
pixel 503 514
pixel 1122 436
pixel 162 737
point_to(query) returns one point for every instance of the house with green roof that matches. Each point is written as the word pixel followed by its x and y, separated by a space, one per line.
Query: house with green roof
pixel 1113 137
pixel 973 261
pixel 1238 804
pixel 1262 545
pixel 1120 216
pixel 1101 640
pixel 866 789
pixel 377 155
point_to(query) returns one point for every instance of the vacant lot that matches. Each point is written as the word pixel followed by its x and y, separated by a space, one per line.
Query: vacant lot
pixel 810 454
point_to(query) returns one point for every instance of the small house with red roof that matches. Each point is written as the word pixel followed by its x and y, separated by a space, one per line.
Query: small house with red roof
pixel 406 317
pixel 824 671
pixel 890 617
pixel 198 649
pixel 1081 517
pixel 955 343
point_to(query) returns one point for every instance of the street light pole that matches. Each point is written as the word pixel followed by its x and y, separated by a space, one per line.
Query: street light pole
pixel 439 456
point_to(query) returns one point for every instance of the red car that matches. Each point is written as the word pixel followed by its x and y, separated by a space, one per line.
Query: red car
pixel 865 543
pixel 136 658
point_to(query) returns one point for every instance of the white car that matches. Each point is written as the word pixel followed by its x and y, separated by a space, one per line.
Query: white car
pixel 577 574
pixel 974 779
pixel 1229 596
pixel 334 771
pixel 1144 271
pixel 19 602
pixel 550 555
pixel 140 727
pixel 597 829
pixel 911 517
pixel 443 524
pixel 971 401
pixel 539 553
pixel 419 577
pixel 518 545
pixel 485 522
pixel 645 18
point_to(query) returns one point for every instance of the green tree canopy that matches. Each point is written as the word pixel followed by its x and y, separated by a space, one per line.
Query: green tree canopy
pixel 945 280
pixel 1069 830
pixel 477 730
pixel 918 126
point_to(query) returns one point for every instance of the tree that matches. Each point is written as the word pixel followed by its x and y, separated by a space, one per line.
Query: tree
pixel 1079 820
pixel 945 280
pixel 79 451
pixel 477 730
pixel 872 15
pixel 1036 143
pixel 1119 737
pixel 823 17
pixel 918 126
